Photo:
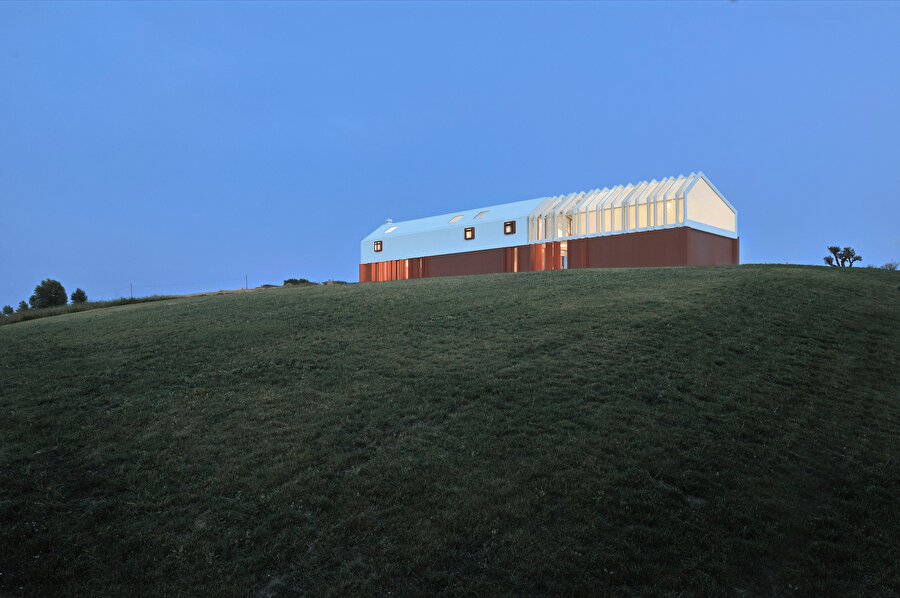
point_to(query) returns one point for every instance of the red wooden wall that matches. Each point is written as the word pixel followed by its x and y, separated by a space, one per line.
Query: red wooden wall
pixel 522 258
pixel 681 246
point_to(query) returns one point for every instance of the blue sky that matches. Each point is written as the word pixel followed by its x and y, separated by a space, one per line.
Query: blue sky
pixel 182 146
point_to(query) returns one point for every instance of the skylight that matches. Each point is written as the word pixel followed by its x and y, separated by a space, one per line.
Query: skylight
pixel 455 219
pixel 480 215
pixel 390 230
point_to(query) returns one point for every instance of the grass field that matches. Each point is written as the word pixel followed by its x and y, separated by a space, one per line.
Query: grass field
pixel 711 431
pixel 70 308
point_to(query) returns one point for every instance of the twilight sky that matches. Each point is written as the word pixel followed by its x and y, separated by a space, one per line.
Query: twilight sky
pixel 182 146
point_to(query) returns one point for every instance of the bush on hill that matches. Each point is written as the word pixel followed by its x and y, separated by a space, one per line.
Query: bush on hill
pixel 48 294
pixel 842 257
pixel 79 296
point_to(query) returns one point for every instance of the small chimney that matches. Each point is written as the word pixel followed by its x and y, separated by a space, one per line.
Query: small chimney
pixel 388 221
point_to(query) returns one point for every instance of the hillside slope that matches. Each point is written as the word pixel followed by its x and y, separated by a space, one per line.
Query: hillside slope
pixel 727 430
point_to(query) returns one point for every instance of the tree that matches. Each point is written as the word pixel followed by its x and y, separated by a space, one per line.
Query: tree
pixel 22 307
pixel 7 310
pixel 890 265
pixel 79 296
pixel 842 257
pixel 47 294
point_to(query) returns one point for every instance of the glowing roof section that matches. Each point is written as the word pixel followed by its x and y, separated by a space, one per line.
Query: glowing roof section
pixel 676 201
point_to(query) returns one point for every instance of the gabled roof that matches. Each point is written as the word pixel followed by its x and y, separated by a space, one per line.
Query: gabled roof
pixel 622 195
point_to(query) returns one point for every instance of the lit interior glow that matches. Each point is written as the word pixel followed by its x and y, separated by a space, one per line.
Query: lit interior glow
pixel 672 201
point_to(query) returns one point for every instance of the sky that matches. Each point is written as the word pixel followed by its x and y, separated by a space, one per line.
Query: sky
pixel 181 147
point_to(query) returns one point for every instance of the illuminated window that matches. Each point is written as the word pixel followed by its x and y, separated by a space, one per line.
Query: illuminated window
pixel 390 230
pixel 455 219
pixel 377 245
pixel 670 211
pixel 509 227
pixel 480 215
pixel 469 233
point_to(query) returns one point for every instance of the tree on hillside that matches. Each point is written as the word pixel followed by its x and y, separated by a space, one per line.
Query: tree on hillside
pixel 7 310
pixel 79 296
pixel 842 257
pixel 22 307
pixel 890 265
pixel 47 294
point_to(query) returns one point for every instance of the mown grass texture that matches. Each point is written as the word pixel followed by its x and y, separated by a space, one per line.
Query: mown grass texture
pixel 57 310
pixel 726 431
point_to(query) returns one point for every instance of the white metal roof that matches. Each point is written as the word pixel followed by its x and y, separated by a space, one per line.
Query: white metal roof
pixel 438 235
pixel 498 213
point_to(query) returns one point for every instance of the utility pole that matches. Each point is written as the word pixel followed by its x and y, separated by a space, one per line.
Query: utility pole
pixel 131 287
pixel 245 282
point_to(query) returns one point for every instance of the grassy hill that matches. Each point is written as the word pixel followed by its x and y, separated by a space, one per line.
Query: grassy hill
pixel 728 431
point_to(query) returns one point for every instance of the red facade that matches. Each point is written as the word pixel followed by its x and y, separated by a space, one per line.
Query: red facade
pixel 680 246
pixel 523 258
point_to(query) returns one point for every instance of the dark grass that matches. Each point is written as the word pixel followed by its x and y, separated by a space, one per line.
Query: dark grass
pixel 696 431
pixel 70 308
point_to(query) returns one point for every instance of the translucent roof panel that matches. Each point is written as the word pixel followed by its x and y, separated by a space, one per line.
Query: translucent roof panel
pixel 634 207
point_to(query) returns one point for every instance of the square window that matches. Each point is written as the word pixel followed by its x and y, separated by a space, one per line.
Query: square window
pixel 509 228
pixel 377 245
pixel 469 233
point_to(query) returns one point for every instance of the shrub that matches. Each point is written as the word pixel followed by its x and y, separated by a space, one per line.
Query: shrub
pixel 7 310
pixel 79 296
pixel 296 281
pixel 22 306
pixel 842 257
pixel 48 294
pixel 890 265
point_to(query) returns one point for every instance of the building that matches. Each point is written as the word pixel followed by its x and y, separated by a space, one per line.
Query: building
pixel 678 221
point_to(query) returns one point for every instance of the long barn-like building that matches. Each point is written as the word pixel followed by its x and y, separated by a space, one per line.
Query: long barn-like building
pixel 678 221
